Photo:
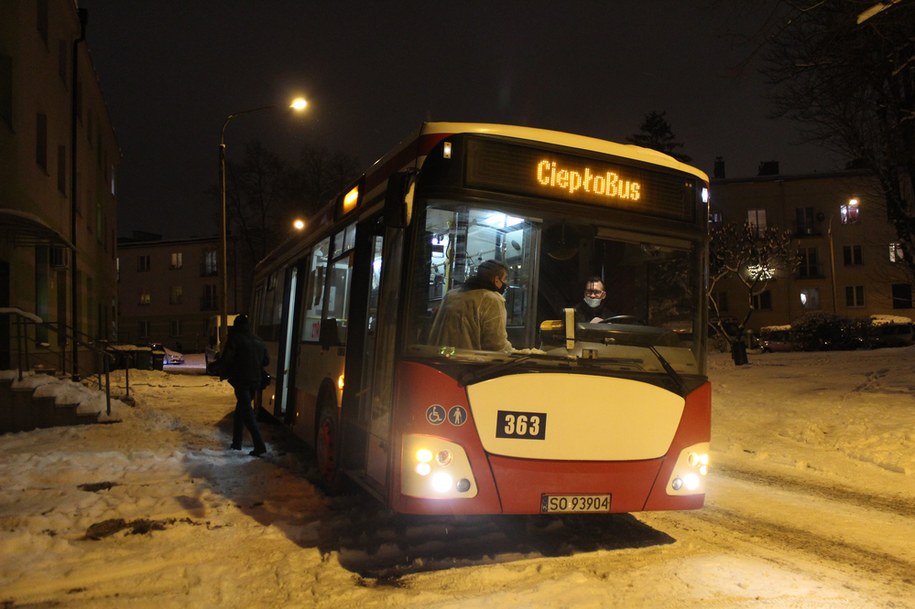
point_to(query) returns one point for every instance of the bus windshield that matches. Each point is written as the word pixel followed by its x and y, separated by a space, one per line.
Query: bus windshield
pixel 651 319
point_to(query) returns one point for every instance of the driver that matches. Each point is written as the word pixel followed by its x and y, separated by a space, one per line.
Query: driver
pixel 592 308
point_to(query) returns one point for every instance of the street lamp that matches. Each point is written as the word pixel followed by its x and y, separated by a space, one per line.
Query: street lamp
pixel 298 105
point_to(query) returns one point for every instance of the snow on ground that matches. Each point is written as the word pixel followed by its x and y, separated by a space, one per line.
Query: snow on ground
pixel 151 511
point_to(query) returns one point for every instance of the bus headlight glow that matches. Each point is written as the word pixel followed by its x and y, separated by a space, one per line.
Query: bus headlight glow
pixel 435 468
pixel 442 482
pixel 689 473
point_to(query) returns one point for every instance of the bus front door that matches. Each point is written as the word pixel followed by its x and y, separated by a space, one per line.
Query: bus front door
pixel 369 372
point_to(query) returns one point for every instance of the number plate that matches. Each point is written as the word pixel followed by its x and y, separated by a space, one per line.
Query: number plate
pixel 575 504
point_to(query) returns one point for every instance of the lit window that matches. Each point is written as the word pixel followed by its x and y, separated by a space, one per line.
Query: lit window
pixel 810 298
pixel 849 212
pixel 176 296
pixel 210 267
pixel 756 218
pixel 896 254
pixel 145 297
pixel 176 261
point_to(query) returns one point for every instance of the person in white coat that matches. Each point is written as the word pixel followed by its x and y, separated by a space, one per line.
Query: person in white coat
pixel 473 315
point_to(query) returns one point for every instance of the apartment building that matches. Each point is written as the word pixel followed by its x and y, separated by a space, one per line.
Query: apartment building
pixel 850 263
pixel 168 290
pixel 58 203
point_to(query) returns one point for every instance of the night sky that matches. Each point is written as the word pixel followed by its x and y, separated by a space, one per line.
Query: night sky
pixel 172 70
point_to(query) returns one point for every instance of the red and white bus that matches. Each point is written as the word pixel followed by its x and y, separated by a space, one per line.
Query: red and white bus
pixel 580 417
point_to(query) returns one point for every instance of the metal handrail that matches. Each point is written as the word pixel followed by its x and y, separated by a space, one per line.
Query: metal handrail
pixel 25 320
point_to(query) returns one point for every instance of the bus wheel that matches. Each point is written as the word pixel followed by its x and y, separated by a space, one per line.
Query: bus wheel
pixel 327 449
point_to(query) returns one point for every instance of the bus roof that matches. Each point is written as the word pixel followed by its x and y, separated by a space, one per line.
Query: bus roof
pixel 411 151
pixel 558 138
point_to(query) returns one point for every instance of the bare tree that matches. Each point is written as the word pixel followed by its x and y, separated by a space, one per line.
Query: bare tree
pixel 255 195
pixel 265 194
pixel 754 256
pixel 846 70
pixel 318 176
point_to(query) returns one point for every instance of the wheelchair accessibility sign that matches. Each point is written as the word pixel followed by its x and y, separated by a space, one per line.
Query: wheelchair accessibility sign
pixel 436 415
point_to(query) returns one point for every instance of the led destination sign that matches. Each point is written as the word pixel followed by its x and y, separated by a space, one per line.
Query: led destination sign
pixel 608 182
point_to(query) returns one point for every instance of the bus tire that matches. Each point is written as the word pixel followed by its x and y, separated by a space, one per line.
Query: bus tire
pixel 327 448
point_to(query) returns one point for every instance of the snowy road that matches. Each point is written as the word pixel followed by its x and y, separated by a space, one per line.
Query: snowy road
pixel 849 548
pixel 811 505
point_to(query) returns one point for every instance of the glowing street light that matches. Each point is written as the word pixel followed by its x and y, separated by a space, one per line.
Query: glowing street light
pixel 298 104
pixel 298 224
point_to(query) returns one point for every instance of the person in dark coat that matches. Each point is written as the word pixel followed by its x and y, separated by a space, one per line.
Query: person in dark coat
pixel 242 362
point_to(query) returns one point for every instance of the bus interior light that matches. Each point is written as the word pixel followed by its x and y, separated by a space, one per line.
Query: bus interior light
pixel 424 455
pixel 446 150
pixel 423 469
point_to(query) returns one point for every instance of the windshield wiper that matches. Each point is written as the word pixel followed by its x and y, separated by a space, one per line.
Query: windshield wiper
pixel 673 374
pixel 468 378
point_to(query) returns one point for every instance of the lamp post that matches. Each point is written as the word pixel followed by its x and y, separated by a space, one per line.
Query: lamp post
pixel 832 265
pixel 297 104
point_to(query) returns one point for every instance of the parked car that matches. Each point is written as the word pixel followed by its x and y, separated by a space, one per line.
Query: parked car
pixel 890 331
pixel 775 338
pixel 170 356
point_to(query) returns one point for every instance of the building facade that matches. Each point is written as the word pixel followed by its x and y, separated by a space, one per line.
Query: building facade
pixel 58 166
pixel 850 264
pixel 168 291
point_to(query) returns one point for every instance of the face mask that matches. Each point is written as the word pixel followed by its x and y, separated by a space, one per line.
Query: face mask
pixel 592 302
pixel 502 289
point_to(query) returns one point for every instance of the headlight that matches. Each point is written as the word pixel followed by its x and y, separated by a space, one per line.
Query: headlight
pixel 690 471
pixel 433 467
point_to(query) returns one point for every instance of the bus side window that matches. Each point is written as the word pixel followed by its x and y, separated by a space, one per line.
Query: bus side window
pixel 314 292
pixel 338 296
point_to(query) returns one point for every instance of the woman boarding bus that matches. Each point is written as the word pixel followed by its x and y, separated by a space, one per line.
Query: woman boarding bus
pixel 606 416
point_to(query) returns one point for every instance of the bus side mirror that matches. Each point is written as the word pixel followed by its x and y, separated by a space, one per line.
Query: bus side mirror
pixel 398 199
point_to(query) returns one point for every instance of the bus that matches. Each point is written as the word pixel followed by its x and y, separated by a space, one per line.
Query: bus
pixel 596 417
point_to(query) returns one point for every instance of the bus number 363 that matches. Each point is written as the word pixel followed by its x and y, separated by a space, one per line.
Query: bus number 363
pixel 521 425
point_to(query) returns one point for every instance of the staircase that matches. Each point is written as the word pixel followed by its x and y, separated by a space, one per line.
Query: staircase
pixel 22 410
